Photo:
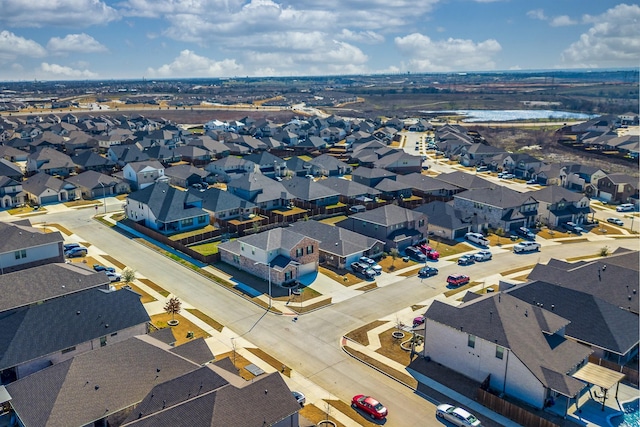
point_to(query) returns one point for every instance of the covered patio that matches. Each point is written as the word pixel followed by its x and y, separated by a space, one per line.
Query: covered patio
pixel 601 377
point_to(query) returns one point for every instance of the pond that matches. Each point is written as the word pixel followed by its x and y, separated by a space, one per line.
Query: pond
pixel 510 115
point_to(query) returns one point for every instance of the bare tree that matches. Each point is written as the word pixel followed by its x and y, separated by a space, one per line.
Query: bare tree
pixel 173 307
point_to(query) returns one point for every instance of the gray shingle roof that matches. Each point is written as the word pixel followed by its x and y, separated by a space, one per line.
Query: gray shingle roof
pixel 60 323
pixel 373 173
pixel 465 180
pixel 216 200
pixel 388 215
pixel 22 235
pixel 41 181
pixel 167 203
pixel 348 188
pixel 196 350
pixel 335 240
pixel 593 321
pixel 95 384
pixel 443 215
pixel 272 239
pixel 425 183
pixel 527 330
pixel 92 179
pixel 44 282
pixel 307 189
pixel 500 197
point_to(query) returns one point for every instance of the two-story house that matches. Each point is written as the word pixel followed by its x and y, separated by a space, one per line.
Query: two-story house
pixel 11 194
pixel 280 255
pixel 397 227
pixel 309 193
pixel 264 192
pixel 557 205
pixel 140 175
pixel 23 246
pixel 51 162
pixel 618 188
pixel 222 205
pixel 522 165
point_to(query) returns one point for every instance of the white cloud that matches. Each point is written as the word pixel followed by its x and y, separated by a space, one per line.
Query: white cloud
pixel 613 40
pixel 561 21
pixel 55 71
pixel 369 37
pixel 188 64
pixel 81 43
pixel 537 14
pixel 446 55
pixel 60 13
pixel 13 46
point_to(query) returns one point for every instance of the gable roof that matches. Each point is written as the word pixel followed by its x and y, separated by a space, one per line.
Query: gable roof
pixel 348 188
pixel 555 193
pixel 425 183
pixel 593 321
pixel 42 181
pixel 95 384
pixel 92 179
pixel 387 215
pixel 500 196
pixel 277 238
pixel 443 214
pixel 465 180
pixel 60 323
pixel 335 240
pixel 151 164
pixel 89 158
pixel 373 173
pixel 22 235
pixel 185 171
pixel 8 168
pixel 217 200
pixel 527 330
pixel 307 189
pixel 167 203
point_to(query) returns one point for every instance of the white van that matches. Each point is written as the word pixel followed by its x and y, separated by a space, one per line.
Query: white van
pixel 477 238
pixel 625 207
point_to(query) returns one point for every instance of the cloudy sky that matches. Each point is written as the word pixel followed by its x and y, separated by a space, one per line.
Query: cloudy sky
pixel 113 39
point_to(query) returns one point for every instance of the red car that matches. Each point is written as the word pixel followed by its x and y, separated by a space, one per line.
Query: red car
pixel 458 279
pixel 371 406
pixel 429 252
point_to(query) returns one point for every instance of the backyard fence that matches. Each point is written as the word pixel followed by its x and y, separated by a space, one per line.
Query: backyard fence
pixel 631 374
pixel 511 411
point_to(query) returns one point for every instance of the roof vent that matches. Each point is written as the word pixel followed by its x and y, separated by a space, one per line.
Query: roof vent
pixel 97 386
pixel 78 312
pixel 106 325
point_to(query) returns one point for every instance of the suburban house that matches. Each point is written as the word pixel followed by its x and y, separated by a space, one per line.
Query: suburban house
pixel 327 165
pixel 123 154
pixel 339 247
pixel 497 207
pixel 144 382
pixel 611 332
pixel 166 209
pixel 10 169
pixel 42 189
pixel 268 164
pixel 264 192
pixel 51 162
pixel 619 272
pixel 23 246
pixel 11 194
pixel 67 326
pixel 351 193
pixel 223 205
pixel 89 160
pixel 394 190
pixel 428 187
pixel 185 175
pixel 520 349
pixel 95 185
pixel 279 255
pixel 618 188
pixel 397 227
pixel 557 205
pixel 371 176
pixel 400 162
pixel 142 174
pixel 580 177
pixel 230 168
pixel 445 221
pixel 478 154
pixel 310 193
pixel 521 165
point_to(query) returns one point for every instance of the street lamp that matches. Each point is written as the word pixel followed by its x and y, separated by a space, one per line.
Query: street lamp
pixel 104 197
pixel 269 268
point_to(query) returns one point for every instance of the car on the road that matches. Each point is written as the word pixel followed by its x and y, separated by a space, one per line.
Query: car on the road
pixel 482 256
pixel 616 221
pixel 625 207
pixel 526 247
pixel 415 253
pixel 100 267
pixel 466 260
pixel 482 169
pixel 573 227
pixel 113 276
pixel 76 252
pixel 526 233
pixel 427 271
pixel 300 398
pixel 370 406
pixel 458 416
pixel 458 279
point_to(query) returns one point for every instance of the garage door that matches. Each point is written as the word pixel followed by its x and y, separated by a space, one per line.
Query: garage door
pixel 307 268
pixel 459 233
pixel 516 225
pixel 49 199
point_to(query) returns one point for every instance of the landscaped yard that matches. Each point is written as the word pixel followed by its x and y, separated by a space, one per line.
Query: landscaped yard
pixel 181 330
pixel 207 248
pixel 388 264
pixel 343 277
pixel 333 219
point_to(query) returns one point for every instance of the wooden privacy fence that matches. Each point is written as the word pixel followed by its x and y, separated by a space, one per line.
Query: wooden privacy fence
pixel 631 374
pixel 511 411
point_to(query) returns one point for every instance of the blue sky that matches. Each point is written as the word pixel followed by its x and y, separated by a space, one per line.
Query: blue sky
pixel 154 39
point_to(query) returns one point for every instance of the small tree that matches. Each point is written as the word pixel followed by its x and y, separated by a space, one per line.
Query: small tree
pixel 128 275
pixel 604 251
pixel 394 254
pixel 173 307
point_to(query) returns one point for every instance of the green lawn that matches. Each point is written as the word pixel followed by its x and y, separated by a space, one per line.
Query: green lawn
pixel 207 248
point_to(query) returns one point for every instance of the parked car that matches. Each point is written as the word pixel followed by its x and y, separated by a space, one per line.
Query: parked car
pixel 68 246
pixel 417 321
pixel 616 221
pixel 427 271
pixel 457 416
pixel 363 269
pixel 482 256
pixel 376 268
pixel 370 406
pixel 429 252
pixel 482 169
pixel 532 181
pixel 300 398
pixel 573 227
pixel 113 276
pixel 367 260
pixel 526 247
pixel 76 252
pixel 415 253
pixel 625 207
pixel 458 279
pixel 98 267
pixel 477 238
pixel 526 233
pixel 466 260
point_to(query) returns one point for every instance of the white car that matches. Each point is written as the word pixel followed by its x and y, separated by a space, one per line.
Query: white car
pixel 482 256
pixel 616 221
pixel 625 207
pixel 526 247
pixel 457 416
pixel 114 277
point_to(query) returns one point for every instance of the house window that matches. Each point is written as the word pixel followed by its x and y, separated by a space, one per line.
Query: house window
pixel 299 252
pixel 21 254
pixel 242 247
pixel 103 341
pixel 471 341
pixel 186 222
pixel 236 259
pixel 69 350
pixel 309 249
pixel 499 352
pixel 421 223
pixel 253 251
pixel 288 275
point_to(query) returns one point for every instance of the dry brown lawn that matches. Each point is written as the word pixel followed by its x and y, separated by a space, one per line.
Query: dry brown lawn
pixel 316 415
pixel 390 347
pixel 155 287
pixel 400 376
pixel 239 362
pixel 343 277
pixel 206 319
pixel 360 335
pixel 389 265
pixel 181 330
